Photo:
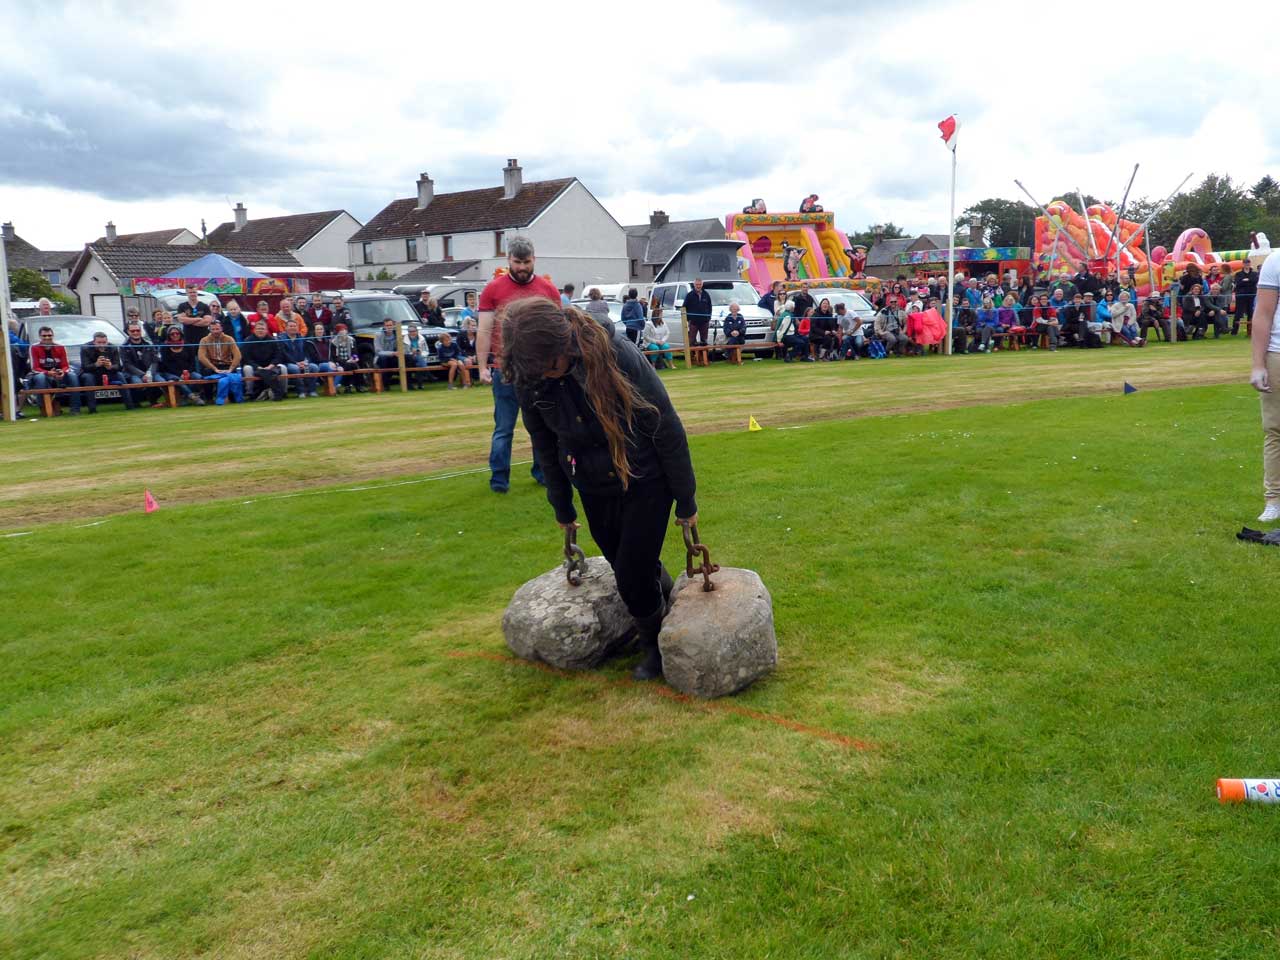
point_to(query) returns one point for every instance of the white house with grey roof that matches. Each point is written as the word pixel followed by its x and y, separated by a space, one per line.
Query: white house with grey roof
pixel 463 234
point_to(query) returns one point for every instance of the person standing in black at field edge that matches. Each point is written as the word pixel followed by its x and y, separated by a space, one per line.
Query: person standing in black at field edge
pixel 602 422
pixel 697 309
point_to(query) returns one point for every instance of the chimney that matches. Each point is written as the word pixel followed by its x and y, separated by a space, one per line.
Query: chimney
pixel 242 217
pixel 426 190
pixel 659 218
pixel 111 232
pixel 975 234
pixel 6 230
pixel 878 233
pixel 511 180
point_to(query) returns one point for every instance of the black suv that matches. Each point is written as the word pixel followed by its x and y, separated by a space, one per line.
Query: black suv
pixel 369 308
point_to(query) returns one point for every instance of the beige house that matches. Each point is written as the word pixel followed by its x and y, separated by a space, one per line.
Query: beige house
pixel 463 234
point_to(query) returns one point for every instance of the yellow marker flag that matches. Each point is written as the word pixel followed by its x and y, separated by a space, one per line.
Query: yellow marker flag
pixel 752 426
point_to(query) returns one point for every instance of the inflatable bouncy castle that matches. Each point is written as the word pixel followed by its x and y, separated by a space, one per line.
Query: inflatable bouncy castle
pixel 801 248
pixel 1064 243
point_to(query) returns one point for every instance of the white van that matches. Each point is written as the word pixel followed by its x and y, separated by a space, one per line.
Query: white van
pixel 716 262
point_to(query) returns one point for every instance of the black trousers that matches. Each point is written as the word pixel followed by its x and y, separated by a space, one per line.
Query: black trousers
pixel 698 332
pixel 630 530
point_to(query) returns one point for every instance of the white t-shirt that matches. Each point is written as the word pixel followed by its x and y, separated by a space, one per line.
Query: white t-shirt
pixel 1269 279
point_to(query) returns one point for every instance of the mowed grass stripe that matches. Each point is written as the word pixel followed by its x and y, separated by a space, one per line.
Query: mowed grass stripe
pixel 1036 613
pixel 95 466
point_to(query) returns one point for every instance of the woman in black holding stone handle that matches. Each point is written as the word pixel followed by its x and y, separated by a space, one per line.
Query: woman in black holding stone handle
pixel 602 422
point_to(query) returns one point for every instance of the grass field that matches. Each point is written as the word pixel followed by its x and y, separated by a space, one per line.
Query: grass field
pixel 1011 666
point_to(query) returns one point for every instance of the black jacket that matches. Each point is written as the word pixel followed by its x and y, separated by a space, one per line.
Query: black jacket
pixel 260 351
pixel 803 302
pixel 1246 283
pixel 173 362
pixel 572 447
pixel 697 306
pixel 139 358
pixel 89 359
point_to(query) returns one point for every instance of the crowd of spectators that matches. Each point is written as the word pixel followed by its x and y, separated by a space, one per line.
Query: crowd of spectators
pixel 216 353
pixel 233 356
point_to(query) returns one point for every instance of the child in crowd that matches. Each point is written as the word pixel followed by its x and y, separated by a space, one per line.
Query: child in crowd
pixel 448 353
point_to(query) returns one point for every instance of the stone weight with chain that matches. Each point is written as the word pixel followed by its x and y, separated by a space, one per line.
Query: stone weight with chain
pixel 718 637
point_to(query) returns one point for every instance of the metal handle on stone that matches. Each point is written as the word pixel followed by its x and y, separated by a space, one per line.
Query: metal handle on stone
pixel 695 548
pixel 575 561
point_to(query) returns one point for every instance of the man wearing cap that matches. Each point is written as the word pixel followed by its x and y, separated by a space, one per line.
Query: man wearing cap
pixel 138 359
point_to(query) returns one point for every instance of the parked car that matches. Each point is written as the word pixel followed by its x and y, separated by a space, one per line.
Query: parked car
pixel 369 308
pixel 449 294
pixel 173 298
pixel 719 264
pixel 671 296
pixel 615 313
pixel 73 331
pixel 853 301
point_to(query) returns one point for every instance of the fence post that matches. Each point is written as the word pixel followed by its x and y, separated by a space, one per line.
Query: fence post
pixel 8 385
pixel 404 377
pixel 684 326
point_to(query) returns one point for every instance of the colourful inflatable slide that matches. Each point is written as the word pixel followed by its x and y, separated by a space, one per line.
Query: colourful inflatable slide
pixel 765 233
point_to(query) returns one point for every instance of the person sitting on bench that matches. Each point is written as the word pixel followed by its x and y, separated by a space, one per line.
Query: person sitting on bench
pixel 100 366
pixel 260 353
pixel 735 326
pixel 454 360
pixel 657 339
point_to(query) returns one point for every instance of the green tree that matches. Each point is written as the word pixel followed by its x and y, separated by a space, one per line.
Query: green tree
pixel 1005 223
pixel 1218 206
pixel 28 284
pixel 867 236
pixel 1267 192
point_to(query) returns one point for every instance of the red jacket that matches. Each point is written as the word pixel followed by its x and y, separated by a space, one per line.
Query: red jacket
pixel 323 315
pixel 56 353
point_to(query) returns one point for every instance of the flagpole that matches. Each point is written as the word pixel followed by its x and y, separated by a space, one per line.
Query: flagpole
pixel 8 384
pixel 951 254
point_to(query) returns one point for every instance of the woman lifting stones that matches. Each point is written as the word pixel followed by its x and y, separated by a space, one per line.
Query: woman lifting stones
pixel 601 421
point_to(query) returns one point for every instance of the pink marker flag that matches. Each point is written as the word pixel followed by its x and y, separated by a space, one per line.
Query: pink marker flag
pixel 149 502
pixel 949 127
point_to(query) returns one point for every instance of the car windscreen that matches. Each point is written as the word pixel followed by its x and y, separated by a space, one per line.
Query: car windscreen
pixel 75 331
pixel 722 291
pixel 371 313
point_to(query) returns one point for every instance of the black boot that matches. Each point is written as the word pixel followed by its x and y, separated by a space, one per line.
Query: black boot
pixel 650 668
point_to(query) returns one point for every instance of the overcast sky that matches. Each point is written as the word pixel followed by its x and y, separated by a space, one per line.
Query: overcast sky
pixel 156 115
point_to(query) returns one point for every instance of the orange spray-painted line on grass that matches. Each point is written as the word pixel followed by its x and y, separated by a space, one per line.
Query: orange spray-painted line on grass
pixel 711 706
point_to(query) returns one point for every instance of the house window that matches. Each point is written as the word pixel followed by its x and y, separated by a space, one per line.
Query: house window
pixel 366 252
pixel 55 277
pixel 411 249
pixel 448 248
pixel 635 269
pixel 499 244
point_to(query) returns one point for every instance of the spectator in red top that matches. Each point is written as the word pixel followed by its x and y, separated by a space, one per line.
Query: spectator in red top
pixel 518 283
pixel 49 367
pixel 318 312
pixel 274 326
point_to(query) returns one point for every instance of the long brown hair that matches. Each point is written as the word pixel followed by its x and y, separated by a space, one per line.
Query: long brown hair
pixel 537 332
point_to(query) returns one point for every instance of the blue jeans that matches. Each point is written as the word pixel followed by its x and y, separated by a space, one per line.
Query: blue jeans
pixel 42 381
pixel 231 383
pixel 328 367
pixel 306 384
pixel 174 378
pixel 131 395
pixel 505 410
pixel 95 379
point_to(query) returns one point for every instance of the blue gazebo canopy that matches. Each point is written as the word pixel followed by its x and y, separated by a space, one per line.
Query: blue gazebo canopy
pixel 215 265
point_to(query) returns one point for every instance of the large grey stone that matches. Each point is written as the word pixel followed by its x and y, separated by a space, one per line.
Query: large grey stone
pixel 717 643
pixel 569 627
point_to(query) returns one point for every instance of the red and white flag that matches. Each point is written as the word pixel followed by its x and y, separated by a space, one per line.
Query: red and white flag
pixel 950 127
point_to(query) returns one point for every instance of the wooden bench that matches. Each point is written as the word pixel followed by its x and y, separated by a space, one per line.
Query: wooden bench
pixel 51 408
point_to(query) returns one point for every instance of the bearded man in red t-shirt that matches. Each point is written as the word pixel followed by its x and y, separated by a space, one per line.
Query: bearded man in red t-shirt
pixel 518 283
